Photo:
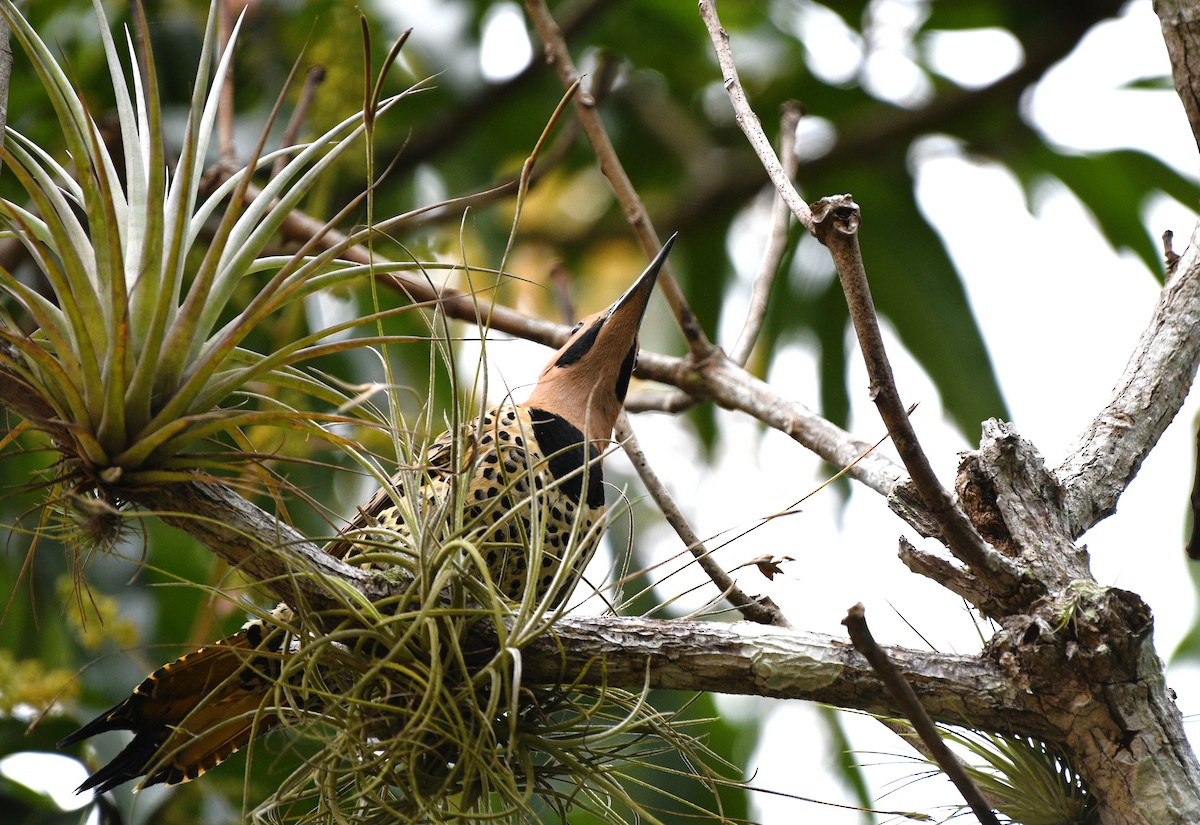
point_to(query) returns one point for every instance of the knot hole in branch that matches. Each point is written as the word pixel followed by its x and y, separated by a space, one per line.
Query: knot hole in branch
pixel 838 212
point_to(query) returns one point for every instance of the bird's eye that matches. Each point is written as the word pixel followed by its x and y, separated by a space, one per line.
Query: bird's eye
pixel 577 327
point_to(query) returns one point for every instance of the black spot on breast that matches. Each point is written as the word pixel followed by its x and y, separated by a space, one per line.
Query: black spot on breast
pixel 563 444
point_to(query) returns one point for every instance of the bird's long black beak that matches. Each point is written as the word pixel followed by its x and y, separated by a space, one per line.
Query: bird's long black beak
pixel 638 295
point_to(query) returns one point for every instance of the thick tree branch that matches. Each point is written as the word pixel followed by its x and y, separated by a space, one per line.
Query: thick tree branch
pixel 1153 387
pixel 1180 21
pixel 761 660
pixel 252 540
pixel 1085 651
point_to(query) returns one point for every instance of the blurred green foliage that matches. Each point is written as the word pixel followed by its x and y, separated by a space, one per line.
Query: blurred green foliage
pixel 673 130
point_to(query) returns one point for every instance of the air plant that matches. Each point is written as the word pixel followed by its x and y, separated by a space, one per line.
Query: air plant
pixel 413 709
pixel 133 351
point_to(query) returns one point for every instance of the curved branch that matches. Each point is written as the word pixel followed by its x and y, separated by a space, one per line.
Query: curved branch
pixel 759 609
pixel 1180 21
pixel 748 121
pixel 835 223
pixel 1153 387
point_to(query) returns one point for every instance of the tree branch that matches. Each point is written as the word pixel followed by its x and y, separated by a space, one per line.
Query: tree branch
pixel 747 120
pixel 716 378
pixel 759 609
pixel 1155 383
pixel 906 699
pixel 1180 21
pixel 776 241
pixel 835 223
pixel 558 55
pixel 760 660
pixel 252 540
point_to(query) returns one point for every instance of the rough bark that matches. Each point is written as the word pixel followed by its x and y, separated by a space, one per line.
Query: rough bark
pixel 1085 652
pixel 1180 20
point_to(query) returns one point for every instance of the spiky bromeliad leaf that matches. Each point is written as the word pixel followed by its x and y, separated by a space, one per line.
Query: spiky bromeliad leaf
pixel 127 352
pixel 1026 779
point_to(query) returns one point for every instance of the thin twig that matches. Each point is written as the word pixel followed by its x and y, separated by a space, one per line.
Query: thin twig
pixel 835 223
pixel 314 78
pixel 776 242
pixel 906 698
pixel 442 134
pixel 559 56
pixel 6 64
pixel 756 609
pixel 1193 544
pixel 671 402
pixel 225 114
pixel 747 120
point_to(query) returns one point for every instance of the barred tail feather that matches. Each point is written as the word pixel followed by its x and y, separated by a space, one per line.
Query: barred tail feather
pixel 191 714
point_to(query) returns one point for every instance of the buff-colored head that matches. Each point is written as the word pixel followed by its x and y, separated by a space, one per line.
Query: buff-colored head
pixel 586 380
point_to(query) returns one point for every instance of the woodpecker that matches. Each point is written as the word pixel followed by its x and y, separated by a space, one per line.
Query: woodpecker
pixel 191 714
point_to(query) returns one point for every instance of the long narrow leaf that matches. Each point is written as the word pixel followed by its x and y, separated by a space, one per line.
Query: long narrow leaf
pixel 76 284
pixel 149 279
pixel 178 341
pixel 86 338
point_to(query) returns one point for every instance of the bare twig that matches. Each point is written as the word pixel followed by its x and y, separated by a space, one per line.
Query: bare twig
pixel 1193 544
pixel 776 243
pixel 462 118
pixel 835 223
pixel 225 114
pixel 756 609
pixel 906 698
pixel 559 56
pixel 747 120
pixel 314 78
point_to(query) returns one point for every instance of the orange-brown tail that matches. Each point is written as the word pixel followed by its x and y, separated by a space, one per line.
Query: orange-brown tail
pixel 192 714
